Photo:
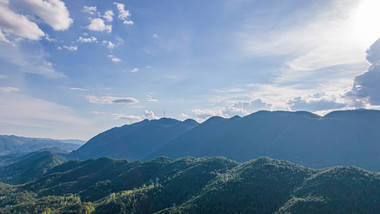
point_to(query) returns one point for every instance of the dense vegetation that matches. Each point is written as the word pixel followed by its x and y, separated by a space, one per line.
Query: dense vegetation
pixel 193 185
pixel 10 144
pixel 348 138
pixel 32 166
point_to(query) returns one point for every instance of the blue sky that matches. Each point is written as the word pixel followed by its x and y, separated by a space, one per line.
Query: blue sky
pixel 71 69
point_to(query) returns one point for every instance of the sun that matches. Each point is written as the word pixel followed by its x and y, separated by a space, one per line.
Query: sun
pixel 366 21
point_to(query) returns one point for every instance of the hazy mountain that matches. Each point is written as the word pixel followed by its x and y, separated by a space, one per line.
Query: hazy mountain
pixel 15 144
pixel 190 185
pixel 32 166
pixel 339 138
pixel 350 138
pixel 134 142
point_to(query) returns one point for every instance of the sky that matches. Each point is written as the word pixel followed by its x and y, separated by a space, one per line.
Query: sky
pixel 72 69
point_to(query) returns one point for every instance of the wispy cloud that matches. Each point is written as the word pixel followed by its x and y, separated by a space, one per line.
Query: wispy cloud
pixel 70 48
pixel 111 100
pixel 9 89
pixel 114 59
pixel 123 14
pixel 78 89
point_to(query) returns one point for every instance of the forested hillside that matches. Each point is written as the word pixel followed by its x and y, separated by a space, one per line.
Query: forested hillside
pixel 194 185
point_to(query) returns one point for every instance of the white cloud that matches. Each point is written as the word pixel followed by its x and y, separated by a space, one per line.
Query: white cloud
pixel 241 108
pixel 52 12
pixel 8 89
pixel 3 76
pixel 203 114
pixel 150 115
pixel 87 40
pixel 114 59
pixel 149 98
pixel 17 17
pixel 185 116
pixel 71 48
pixel 366 88
pixel 19 109
pixel 98 24
pixel 32 61
pixel 134 70
pixel 11 22
pixel 123 14
pixel 129 118
pixel 322 38
pixel 97 112
pixel 155 35
pixel 108 15
pixel 78 89
pixel 317 102
pixel 47 37
pixel 134 118
pixel 90 9
pixel 111 100
pixel 109 44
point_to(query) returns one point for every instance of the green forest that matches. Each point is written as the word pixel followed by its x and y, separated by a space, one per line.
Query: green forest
pixel 185 185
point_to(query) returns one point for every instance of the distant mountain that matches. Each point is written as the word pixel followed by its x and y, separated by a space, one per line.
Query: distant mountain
pixel 14 144
pixel 30 167
pixel 349 138
pixel 190 185
pixel 134 142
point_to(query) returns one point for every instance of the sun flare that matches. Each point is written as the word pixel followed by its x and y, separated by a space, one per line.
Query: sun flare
pixel 366 21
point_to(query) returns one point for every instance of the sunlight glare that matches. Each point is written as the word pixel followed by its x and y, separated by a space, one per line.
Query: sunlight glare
pixel 367 21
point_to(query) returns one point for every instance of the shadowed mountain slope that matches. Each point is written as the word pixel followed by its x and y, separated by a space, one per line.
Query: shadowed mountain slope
pixel 133 142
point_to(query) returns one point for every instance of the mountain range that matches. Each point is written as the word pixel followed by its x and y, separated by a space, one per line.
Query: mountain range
pixel 193 185
pixel 350 138
pixel 11 144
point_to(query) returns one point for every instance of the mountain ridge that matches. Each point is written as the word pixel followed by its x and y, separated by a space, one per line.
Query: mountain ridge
pixel 349 137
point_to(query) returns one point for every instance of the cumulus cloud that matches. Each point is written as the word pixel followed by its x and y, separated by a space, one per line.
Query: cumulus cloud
pixel 8 89
pixel 89 9
pixel 52 12
pixel 98 24
pixel 317 102
pixel 203 114
pixel 70 48
pixel 108 15
pixel 366 87
pixel 241 108
pixel 114 59
pixel 134 118
pixel 87 40
pixel 11 22
pixel 123 14
pixel 109 44
pixel 17 17
pixel 111 100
